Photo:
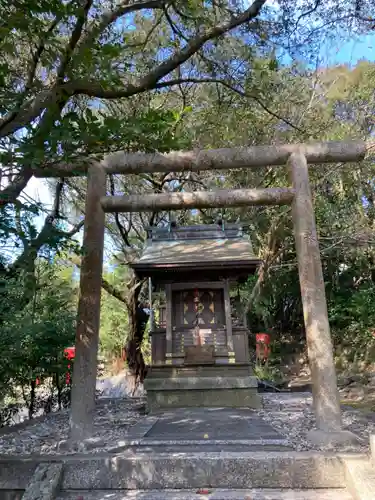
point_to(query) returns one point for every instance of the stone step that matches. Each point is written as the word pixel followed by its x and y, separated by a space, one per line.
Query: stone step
pixel 185 447
pixel 184 470
pixel 360 478
pixel 170 371
pixel 16 474
pixel 253 494
pixel 204 444
pixel 11 494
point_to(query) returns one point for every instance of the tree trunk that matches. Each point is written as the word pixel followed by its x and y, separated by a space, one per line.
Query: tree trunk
pixel 32 399
pixel 58 388
pixel 137 325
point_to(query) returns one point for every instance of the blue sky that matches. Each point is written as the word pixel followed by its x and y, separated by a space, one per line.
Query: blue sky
pixel 351 52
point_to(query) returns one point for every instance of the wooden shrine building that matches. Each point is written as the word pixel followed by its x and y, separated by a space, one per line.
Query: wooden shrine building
pixel 200 354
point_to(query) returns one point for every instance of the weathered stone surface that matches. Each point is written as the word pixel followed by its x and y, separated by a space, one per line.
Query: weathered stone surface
pixel 326 400
pixel 331 439
pixel 45 482
pixel 16 475
pixel 211 423
pixel 208 386
pixel 353 393
pixel 11 494
pixel 199 383
pixel 206 445
pixel 214 494
pixel 197 199
pixel 195 470
pixel 372 447
pixel 82 446
pixel 88 315
pixel 170 371
pixel 360 478
pixel 121 162
pixel 232 398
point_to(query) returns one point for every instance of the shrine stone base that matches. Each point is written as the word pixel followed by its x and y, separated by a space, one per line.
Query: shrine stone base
pixel 225 386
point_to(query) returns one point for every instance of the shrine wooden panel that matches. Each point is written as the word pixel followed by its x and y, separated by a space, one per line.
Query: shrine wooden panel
pixel 198 307
pixel 198 320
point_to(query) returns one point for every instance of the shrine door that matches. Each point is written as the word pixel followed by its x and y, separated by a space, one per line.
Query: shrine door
pixel 198 319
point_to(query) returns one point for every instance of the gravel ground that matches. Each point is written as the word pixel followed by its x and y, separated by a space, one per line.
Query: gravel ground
pixel 290 414
pixel 118 386
pixel 112 421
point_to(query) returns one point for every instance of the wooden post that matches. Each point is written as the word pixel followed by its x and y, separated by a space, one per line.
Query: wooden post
pixel 168 323
pixel 152 316
pixel 228 323
pixel 320 350
pixel 87 334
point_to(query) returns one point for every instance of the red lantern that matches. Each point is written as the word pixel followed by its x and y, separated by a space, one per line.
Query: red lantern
pixel 69 353
pixel 263 349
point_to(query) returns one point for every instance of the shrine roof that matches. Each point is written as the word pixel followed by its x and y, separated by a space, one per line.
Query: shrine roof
pixel 197 246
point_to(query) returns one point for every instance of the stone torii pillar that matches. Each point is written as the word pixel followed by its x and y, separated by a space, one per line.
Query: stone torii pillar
pixel 326 400
pixel 88 317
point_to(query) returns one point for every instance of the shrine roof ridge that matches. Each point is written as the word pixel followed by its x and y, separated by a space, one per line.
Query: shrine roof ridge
pixel 186 252
pixel 195 232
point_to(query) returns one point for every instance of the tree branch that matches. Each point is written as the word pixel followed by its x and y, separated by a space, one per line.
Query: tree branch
pixel 31 74
pixel 75 229
pixel 106 285
pixel 56 205
pixel 151 80
pixel 32 109
pixel 11 192
pixel 361 17
pixel 15 120
pixel 92 89
pixel 124 234
pixel 308 12
pixel 74 39
pixel 28 256
pixel 174 28
pixel 35 59
pixel 118 294
pixel 111 16
pixel 242 93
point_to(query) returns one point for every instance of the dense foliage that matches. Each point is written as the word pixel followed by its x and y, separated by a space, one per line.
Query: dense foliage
pixel 32 339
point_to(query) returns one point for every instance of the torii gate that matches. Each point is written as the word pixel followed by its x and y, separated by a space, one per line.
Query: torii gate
pixel 320 350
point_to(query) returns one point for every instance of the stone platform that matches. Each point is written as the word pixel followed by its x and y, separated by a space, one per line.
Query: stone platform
pixel 210 423
pixel 231 386
pixel 210 494
pixel 208 429
pixel 197 453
